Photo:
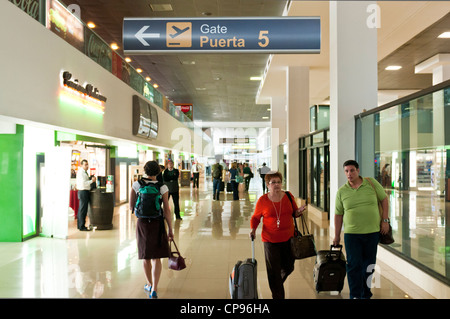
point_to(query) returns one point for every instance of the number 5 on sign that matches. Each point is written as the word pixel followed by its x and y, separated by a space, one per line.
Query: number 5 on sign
pixel 265 39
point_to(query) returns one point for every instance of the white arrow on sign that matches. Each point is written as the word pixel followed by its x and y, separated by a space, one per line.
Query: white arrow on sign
pixel 140 35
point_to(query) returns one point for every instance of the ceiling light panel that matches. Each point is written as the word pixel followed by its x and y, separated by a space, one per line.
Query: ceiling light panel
pixel 161 7
pixel 445 35
pixel 393 67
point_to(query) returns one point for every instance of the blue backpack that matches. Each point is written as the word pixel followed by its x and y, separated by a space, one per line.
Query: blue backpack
pixel 148 204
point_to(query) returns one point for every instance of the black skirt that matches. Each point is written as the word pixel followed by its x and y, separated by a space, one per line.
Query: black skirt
pixel 152 239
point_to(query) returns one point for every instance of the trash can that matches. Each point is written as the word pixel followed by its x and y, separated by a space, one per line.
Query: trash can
pixel 102 209
pixel 185 179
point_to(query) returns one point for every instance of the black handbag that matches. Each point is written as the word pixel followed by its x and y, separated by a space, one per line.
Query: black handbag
pixel 385 239
pixel 176 262
pixel 302 245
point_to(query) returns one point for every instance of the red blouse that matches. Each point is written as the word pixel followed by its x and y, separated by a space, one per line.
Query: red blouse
pixel 267 209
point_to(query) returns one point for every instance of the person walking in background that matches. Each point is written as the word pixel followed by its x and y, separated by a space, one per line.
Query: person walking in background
pixel 234 184
pixel 357 209
pixel 277 213
pixel 160 178
pixel 170 177
pixel 247 176
pixel 151 235
pixel 216 173
pixel 195 171
pixel 262 172
pixel 386 176
pixel 84 183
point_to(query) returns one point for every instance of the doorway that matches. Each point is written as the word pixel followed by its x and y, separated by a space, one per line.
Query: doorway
pixel 33 224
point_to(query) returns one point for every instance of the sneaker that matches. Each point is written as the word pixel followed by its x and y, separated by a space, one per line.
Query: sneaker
pixel 153 295
pixel 148 287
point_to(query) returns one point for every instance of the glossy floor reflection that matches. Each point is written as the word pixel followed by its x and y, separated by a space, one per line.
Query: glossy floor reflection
pixel 213 235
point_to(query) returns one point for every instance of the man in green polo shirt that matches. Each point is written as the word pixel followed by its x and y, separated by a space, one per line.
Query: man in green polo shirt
pixel 357 209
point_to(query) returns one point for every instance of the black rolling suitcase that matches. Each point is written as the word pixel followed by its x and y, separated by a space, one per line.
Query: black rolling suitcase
pixel 243 279
pixel 330 269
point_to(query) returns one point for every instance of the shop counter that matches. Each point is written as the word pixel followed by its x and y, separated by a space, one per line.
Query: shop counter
pixel 102 209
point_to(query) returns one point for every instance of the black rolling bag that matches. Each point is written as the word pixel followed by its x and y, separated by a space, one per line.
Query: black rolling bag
pixel 330 269
pixel 243 279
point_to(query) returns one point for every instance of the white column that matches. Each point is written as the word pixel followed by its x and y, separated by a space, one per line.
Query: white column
pixel 353 81
pixel 297 98
pixel 441 74
pixel 278 121
pixel 438 65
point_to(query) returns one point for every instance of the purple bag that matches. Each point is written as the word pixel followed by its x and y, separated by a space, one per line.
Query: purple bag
pixel 176 262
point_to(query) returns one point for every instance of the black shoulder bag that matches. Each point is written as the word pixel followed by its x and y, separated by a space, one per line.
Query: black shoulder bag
pixel 302 245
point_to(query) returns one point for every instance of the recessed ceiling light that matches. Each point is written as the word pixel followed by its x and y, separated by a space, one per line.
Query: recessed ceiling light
pixel 445 35
pixel 161 7
pixel 128 59
pixel 91 25
pixel 138 70
pixel 114 46
pixel 155 86
pixel 255 78
pixel 393 67
pixel 148 78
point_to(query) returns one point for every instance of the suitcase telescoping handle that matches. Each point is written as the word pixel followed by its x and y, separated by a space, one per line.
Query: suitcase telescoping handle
pixel 253 249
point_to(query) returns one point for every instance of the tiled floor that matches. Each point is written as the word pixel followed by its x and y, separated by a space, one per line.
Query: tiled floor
pixel 212 236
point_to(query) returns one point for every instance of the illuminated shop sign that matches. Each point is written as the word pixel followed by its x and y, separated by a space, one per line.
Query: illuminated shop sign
pixel 187 109
pixel 86 96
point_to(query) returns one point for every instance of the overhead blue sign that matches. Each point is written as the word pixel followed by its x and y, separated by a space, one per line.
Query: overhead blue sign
pixel 222 35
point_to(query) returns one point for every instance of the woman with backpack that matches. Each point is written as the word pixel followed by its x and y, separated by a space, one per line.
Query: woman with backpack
pixel 149 201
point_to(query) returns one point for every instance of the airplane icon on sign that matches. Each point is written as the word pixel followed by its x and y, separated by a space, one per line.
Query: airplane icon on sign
pixel 179 34
pixel 178 31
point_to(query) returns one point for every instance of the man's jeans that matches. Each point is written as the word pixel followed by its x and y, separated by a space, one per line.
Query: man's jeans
pixel 216 188
pixel 361 252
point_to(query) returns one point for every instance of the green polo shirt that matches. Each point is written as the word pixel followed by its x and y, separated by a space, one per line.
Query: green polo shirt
pixel 360 207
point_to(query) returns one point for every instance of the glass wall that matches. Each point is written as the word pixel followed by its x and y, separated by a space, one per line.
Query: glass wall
pixel 405 146
pixel 319 117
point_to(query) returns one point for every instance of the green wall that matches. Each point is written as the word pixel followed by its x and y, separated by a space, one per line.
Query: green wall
pixel 11 185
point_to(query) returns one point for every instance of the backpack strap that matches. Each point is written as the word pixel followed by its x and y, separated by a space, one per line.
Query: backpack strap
pixel 142 182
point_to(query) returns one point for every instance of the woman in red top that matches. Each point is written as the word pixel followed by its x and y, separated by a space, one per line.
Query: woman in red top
pixel 278 227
